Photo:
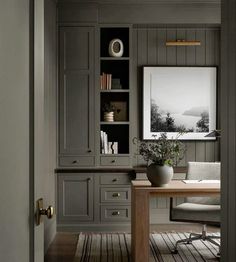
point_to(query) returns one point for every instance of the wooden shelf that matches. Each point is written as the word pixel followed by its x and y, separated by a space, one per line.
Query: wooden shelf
pixel 115 123
pixel 114 58
pixel 117 68
pixel 115 91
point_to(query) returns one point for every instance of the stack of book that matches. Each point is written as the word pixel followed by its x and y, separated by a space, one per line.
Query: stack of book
pixel 105 81
pixel 108 147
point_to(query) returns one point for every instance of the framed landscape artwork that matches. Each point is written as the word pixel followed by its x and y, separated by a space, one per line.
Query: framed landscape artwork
pixel 179 99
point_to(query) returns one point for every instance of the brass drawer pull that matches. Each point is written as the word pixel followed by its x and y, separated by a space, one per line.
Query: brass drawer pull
pixel 89 151
pixel 75 162
pixel 113 161
pixel 116 194
pixel 116 213
pixel 114 180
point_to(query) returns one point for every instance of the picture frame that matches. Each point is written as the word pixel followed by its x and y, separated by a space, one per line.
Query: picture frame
pixel 120 112
pixel 179 98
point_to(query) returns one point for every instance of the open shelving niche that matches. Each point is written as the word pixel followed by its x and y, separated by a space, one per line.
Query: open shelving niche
pixel 116 92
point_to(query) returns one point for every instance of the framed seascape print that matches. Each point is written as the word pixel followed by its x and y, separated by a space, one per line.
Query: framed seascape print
pixel 179 99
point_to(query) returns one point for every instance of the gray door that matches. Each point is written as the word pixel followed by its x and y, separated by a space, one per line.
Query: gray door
pixel 44 121
pixel 76 65
pixel 38 161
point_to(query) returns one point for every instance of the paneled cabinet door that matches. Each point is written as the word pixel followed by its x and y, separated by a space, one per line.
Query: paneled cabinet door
pixel 75 198
pixel 76 92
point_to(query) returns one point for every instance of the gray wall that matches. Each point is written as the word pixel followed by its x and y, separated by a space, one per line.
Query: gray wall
pixel 50 114
pixel 14 138
pixel 149 49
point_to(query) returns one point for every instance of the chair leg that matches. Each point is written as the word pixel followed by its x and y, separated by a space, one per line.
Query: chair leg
pixel 208 238
pixel 195 236
pixel 211 239
pixel 189 241
pixel 186 240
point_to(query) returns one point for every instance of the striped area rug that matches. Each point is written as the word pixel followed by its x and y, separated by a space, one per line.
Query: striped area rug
pixel 116 247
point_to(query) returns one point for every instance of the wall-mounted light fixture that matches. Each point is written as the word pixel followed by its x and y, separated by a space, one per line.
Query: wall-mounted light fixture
pixel 183 43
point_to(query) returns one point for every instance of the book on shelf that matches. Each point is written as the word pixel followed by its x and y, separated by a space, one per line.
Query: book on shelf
pixel 102 142
pixel 105 81
pixel 113 147
pixel 105 143
pixel 106 146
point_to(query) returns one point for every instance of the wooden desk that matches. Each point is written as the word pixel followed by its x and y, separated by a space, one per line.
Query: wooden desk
pixel 141 191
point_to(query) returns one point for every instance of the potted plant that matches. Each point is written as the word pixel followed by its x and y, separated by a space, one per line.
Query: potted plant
pixel 161 155
pixel 108 112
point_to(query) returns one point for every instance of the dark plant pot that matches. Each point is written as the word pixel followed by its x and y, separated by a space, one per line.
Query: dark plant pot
pixel 159 175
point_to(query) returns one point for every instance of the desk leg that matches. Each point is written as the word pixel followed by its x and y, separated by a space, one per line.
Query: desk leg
pixel 140 225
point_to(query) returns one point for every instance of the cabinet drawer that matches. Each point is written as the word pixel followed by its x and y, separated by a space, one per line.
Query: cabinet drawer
pixel 115 194
pixel 117 214
pixel 76 161
pixel 115 161
pixel 115 179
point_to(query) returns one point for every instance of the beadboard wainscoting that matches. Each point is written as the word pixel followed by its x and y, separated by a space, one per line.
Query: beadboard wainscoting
pixel 149 49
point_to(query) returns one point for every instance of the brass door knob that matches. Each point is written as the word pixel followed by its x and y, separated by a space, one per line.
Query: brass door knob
pixel 47 212
pixel 40 211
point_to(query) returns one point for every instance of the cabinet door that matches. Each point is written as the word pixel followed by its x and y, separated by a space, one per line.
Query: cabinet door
pixel 75 198
pixel 76 63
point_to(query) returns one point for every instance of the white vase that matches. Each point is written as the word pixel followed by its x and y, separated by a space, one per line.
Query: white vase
pixel 116 48
pixel 159 175
pixel 108 116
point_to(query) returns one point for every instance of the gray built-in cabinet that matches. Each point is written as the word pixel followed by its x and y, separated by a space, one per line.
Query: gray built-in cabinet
pixel 93 187
pixel 76 95
pixel 94 201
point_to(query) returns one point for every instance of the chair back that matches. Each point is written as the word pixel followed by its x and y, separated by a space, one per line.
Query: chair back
pixel 204 171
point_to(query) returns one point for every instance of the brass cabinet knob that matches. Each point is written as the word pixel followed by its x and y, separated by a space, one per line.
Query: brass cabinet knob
pixel 114 180
pixel 47 212
pixel 116 213
pixel 75 162
pixel 113 160
pixel 89 151
pixel 116 194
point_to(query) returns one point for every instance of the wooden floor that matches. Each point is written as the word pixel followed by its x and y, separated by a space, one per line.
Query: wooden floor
pixel 63 247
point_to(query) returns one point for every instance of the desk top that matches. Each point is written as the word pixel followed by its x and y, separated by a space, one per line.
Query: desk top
pixel 178 187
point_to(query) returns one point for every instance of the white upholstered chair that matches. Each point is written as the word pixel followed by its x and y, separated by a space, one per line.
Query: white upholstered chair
pixel 204 210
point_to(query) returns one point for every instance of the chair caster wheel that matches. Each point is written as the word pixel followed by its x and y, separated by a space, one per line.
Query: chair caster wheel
pixel 174 251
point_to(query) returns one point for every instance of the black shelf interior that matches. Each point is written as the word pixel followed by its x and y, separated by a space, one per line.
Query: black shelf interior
pixel 118 69
pixel 107 34
pixel 120 101
pixel 120 134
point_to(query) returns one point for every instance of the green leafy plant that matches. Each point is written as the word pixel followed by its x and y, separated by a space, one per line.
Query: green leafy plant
pixel 162 151
pixel 107 107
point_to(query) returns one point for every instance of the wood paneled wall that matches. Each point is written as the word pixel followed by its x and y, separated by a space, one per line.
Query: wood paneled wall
pixel 149 49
